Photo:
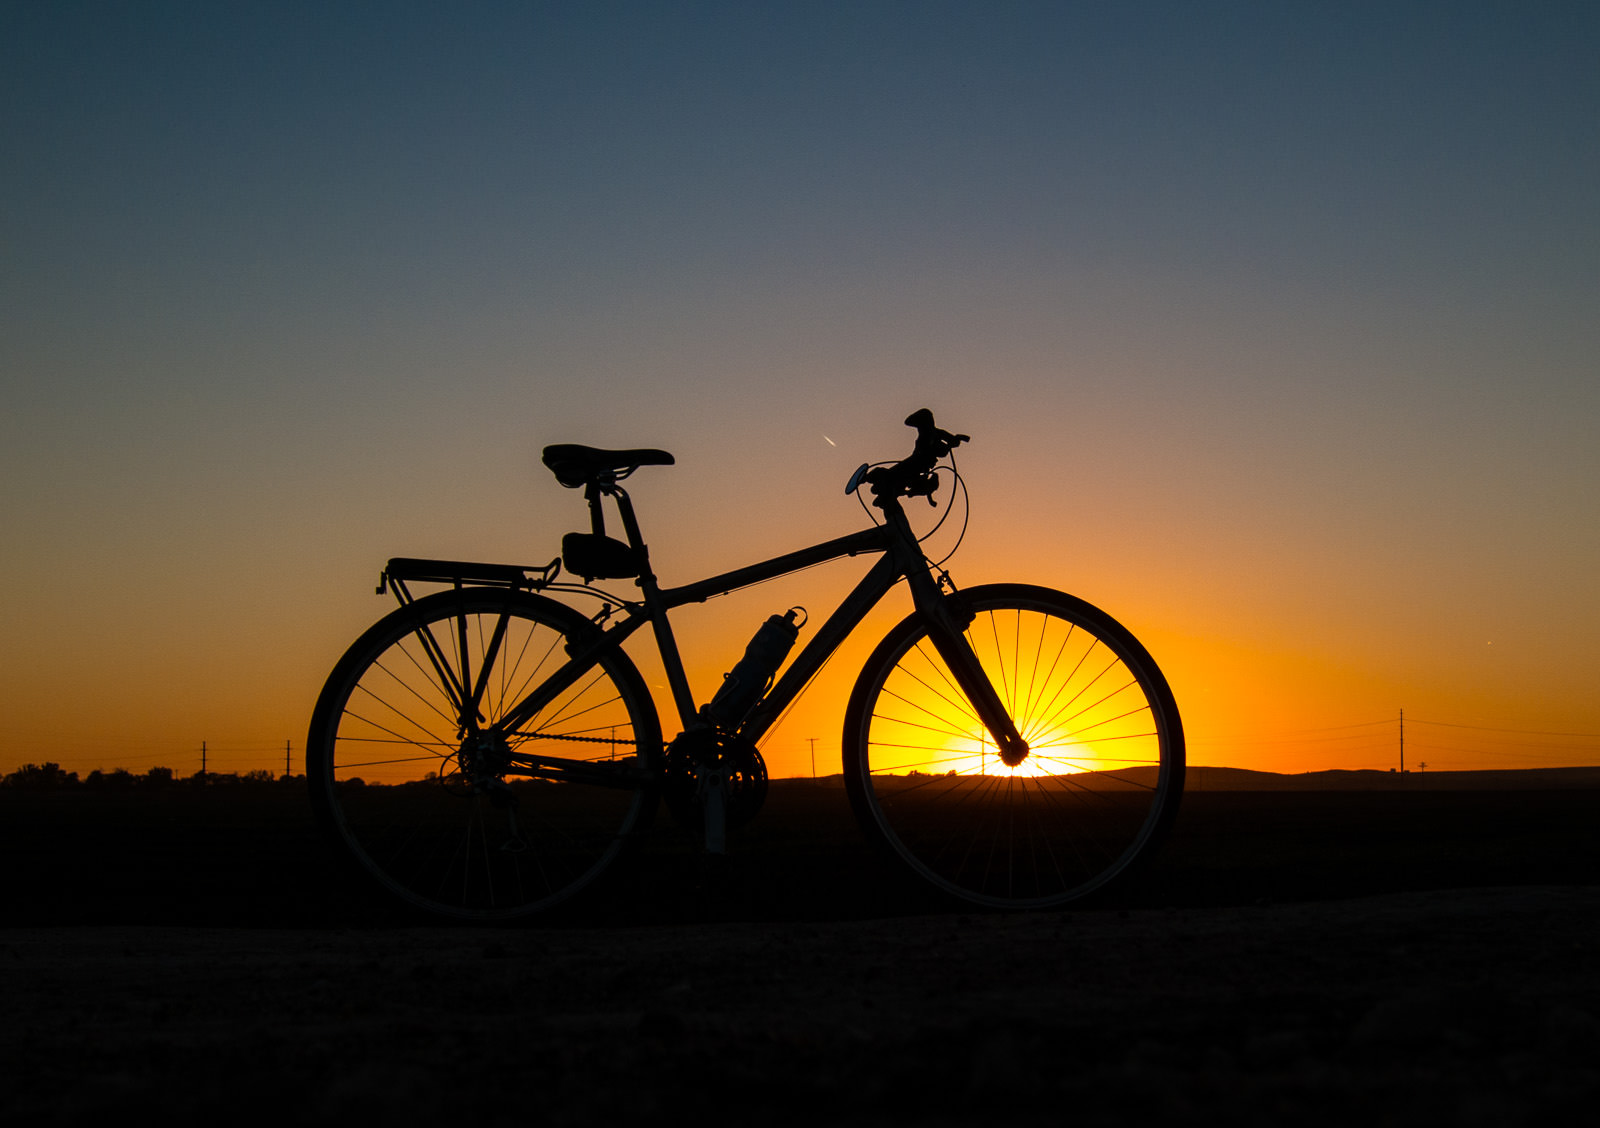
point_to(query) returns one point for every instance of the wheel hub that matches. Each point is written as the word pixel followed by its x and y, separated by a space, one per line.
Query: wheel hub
pixel 1013 754
pixel 483 759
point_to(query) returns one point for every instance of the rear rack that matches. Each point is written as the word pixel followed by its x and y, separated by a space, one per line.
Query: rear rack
pixel 403 569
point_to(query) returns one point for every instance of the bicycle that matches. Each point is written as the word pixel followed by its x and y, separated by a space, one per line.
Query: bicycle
pixel 487 751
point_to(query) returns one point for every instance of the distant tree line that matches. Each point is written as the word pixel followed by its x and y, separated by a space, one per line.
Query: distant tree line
pixel 49 776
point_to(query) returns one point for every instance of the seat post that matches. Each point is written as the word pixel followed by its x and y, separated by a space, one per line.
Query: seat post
pixel 597 514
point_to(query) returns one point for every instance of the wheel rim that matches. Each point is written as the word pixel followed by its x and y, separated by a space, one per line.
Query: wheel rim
pixel 424 808
pixel 1076 812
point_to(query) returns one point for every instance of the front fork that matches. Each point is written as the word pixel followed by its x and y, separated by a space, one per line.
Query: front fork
pixel 947 621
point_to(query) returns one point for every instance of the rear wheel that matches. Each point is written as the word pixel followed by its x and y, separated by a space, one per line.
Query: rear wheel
pixel 1098 788
pixel 440 805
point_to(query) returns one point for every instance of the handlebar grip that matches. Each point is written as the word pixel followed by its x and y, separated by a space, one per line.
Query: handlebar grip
pixel 930 436
pixel 913 475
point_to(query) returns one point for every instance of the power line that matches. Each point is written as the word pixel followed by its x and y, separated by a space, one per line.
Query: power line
pixel 1519 732
pixel 1480 747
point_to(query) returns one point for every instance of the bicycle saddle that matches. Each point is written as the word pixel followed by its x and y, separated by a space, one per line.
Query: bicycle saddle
pixel 575 465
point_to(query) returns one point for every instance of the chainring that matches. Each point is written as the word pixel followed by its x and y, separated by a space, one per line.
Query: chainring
pixel 692 761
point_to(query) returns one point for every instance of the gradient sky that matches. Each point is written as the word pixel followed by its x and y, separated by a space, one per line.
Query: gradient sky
pixel 1276 328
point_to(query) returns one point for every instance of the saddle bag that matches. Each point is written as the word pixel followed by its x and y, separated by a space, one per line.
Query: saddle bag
pixel 595 556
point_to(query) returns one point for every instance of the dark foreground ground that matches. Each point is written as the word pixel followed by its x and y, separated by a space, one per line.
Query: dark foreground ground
pixel 1325 957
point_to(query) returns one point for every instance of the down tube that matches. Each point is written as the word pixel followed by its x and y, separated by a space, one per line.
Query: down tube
pixel 862 599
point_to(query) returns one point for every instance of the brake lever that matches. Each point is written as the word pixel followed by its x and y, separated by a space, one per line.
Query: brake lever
pixel 928 488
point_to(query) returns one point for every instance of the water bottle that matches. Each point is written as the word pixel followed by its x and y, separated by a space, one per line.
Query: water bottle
pixel 747 681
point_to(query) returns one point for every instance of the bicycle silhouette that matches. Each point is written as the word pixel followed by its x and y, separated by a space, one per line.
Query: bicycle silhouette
pixel 485 752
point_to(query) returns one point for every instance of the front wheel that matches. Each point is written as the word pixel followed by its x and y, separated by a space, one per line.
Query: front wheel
pixel 417 773
pixel 1100 783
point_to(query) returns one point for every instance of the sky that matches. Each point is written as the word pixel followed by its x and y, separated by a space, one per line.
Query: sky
pixel 1276 329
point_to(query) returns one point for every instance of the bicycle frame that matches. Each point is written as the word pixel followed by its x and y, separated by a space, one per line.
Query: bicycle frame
pixel 487 751
pixel 900 559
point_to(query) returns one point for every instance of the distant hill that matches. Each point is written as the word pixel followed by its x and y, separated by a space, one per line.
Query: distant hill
pixel 1243 779
pixel 1523 779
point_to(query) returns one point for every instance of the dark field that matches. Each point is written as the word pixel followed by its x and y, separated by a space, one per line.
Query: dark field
pixel 1398 955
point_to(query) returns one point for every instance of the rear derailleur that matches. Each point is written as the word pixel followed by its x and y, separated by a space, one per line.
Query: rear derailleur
pixel 481 764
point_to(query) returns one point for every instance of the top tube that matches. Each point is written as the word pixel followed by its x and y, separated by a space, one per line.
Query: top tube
pixel 876 539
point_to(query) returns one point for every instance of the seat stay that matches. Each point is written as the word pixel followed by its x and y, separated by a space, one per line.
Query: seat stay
pixel 579 663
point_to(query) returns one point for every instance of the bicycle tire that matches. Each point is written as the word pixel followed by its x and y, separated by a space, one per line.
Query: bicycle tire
pixel 1097 792
pixel 384 759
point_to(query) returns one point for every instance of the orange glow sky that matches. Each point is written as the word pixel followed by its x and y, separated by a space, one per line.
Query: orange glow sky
pixel 1277 332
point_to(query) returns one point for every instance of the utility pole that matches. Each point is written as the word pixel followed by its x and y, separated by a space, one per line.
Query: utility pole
pixel 1402 742
pixel 286 768
pixel 813 741
pixel 202 759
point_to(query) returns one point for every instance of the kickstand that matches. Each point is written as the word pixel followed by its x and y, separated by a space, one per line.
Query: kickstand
pixel 715 806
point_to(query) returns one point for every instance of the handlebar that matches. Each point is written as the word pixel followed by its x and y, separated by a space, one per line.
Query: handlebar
pixel 912 476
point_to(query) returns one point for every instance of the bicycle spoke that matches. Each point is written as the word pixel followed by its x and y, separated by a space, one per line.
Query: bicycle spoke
pixel 442 815
pixel 1091 792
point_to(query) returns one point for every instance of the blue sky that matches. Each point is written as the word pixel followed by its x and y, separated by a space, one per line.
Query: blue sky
pixel 1275 325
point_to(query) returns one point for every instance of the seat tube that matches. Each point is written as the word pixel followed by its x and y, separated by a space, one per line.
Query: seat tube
pixel 666 643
